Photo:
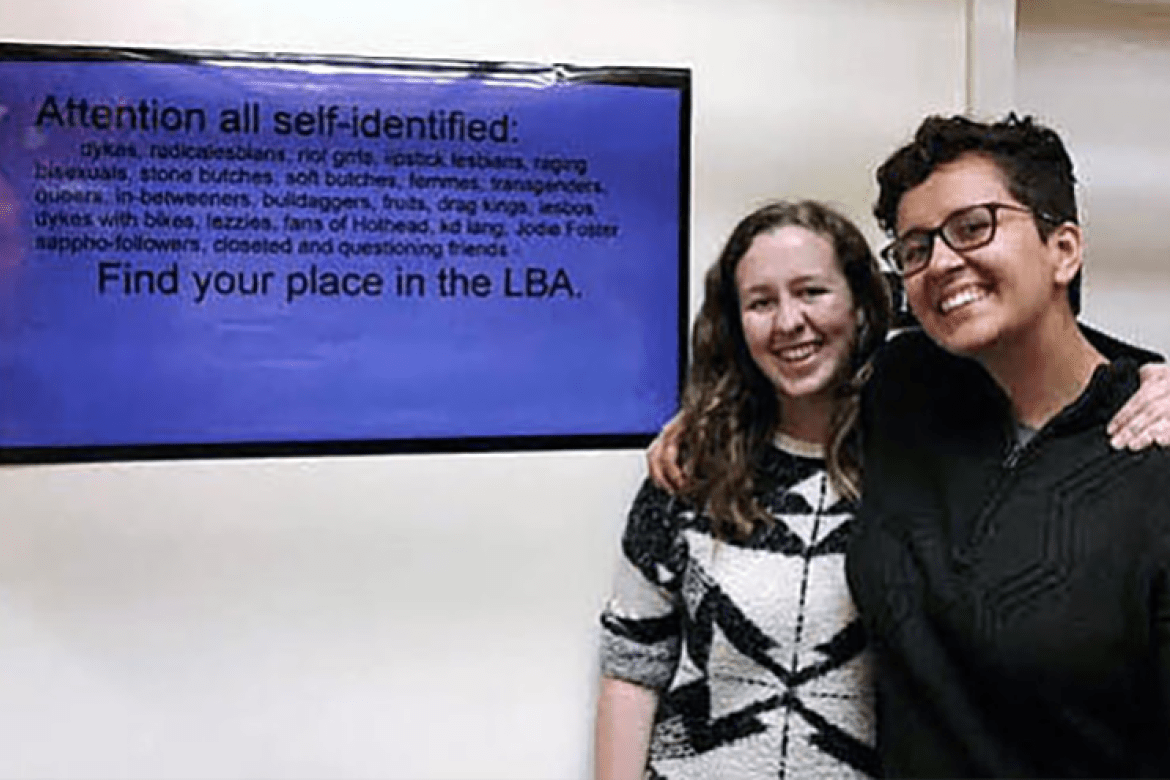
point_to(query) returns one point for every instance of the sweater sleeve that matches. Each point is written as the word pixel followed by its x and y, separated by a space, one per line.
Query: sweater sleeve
pixel 641 626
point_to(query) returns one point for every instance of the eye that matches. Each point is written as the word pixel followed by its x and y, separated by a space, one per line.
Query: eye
pixel 914 251
pixel 969 228
pixel 758 303
pixel 812 291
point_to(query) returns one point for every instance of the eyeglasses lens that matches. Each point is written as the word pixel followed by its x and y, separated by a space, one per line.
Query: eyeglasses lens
pixel 970 228
pixel 913 251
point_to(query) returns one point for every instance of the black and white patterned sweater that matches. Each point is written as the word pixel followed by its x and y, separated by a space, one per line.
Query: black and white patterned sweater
pixel 755 646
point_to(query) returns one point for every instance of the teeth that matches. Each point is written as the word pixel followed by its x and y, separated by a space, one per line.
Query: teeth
pixel 799 352
pixel 961 298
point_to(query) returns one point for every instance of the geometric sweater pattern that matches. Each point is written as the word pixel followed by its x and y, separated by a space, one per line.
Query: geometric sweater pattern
pixel 754 646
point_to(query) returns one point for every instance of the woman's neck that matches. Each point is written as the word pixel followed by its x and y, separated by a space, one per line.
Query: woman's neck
pixel 806 419
pixel 1043 371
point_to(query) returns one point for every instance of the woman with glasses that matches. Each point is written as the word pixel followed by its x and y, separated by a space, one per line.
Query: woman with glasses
pixel 730 647
pixel 1011 567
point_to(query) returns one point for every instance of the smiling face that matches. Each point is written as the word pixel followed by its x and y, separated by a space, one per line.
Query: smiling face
pixel 797 313
pixel 974 302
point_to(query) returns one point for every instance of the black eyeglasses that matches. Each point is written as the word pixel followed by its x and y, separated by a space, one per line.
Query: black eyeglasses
pixel 967 228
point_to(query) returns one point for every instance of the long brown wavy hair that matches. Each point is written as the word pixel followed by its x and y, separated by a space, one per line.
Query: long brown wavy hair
pixel 730 410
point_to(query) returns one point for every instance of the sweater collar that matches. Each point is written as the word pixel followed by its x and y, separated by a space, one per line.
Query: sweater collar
pixel 798 447
pixel 1109 388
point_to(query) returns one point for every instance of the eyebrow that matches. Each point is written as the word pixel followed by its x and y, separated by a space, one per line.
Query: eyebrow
pixel 805 279
pixel 926 228
pixel 913 230
pixel 1005 199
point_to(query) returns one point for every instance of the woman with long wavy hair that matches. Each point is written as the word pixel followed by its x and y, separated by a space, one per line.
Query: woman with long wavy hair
pixel 730 647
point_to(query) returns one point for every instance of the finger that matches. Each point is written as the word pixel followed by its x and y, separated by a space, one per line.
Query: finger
pixel 674 474
pixel 1139 422
pixel 667 455
pixel 1138 442
pixel 662 461
pixel 1149 418
pixel 1138 411
pixel 1141 413
pixel 1122 431
pixel 1122 418
pixel 1114 426
pixel 662 468
pixel 654 461
pixel 1152 396
pixel 1129 433
pixel 1155 435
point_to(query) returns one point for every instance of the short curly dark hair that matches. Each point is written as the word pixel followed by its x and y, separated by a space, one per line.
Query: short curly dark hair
pixel 1037 169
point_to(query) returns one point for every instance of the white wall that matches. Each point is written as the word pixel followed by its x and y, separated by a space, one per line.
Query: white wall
pixel 413 617
pixel 1100 73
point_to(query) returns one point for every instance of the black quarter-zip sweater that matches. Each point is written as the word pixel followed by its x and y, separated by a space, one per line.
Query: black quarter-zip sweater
pixel 1017 597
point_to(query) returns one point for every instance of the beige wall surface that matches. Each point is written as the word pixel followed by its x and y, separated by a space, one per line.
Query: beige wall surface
pixel 407 616
pixel 1100 73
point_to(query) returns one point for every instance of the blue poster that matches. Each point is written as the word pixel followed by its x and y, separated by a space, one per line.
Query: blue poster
pixel 237 254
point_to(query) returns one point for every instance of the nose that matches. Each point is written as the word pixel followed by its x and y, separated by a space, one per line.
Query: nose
pixel 943 258
pixel 789 317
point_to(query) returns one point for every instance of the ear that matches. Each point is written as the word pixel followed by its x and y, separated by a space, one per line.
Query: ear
pixel 1066 245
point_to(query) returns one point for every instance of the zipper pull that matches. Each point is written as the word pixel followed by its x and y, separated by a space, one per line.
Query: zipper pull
pixel 1019 448
pixel 1013 456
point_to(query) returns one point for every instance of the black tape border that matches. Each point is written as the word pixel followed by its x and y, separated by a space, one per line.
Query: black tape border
pixel 15 456
pixel 536 74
